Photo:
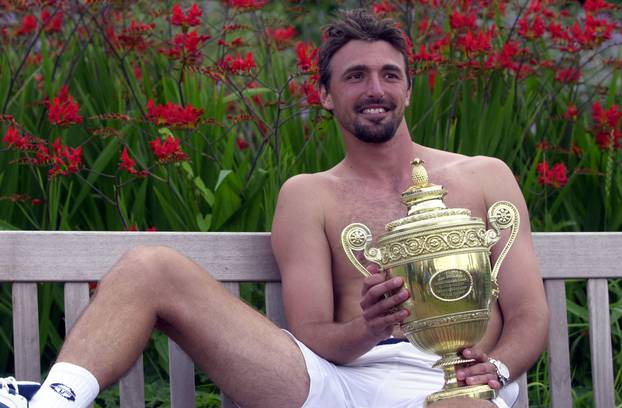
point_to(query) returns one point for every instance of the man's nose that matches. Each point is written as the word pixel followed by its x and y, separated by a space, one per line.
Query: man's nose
pixel 374 86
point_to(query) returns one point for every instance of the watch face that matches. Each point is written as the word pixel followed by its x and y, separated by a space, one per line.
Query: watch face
pixel 502 369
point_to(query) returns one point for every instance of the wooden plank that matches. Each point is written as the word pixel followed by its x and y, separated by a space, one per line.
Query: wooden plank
pixel 274 304
pixel 181 372
pixel 523 395
pixel 76 299
pixel 600 342
pixel 565 255
pixel 132 386
pixel 231 256
pixel 558 350
pixel 246 256
pixel 26 332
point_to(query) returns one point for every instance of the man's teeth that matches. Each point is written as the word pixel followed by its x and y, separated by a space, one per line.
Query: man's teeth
pixel 374 110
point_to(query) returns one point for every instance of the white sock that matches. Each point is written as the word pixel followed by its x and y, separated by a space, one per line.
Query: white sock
pixel 66 386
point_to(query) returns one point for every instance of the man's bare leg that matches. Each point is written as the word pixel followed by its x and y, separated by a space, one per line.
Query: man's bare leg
pixel 249 358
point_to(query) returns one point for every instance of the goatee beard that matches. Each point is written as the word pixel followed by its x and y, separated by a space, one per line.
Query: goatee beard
pixel 379 134
pixel 376 132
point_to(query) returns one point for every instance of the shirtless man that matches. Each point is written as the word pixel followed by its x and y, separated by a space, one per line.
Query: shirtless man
pixel 336 316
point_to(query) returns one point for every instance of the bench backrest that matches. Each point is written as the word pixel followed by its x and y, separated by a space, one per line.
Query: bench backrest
pixel 76 258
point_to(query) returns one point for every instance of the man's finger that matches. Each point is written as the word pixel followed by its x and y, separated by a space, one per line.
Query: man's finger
pixel 385 306
pixel 373 269
pixel 374 293
pixel 475 354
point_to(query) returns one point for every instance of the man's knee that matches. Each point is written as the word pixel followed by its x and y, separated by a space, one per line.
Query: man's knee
pixel 144 263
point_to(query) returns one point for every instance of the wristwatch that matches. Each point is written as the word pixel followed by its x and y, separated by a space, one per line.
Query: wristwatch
pixel 503 372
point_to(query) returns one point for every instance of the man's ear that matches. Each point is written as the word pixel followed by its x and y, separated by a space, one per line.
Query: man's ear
pixel 408 92
pixel 325 99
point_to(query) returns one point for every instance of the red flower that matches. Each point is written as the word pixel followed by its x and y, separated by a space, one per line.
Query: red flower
pixel 281 36
pixel 63 110
pixel 424 55
pixel 172 115
pixel 307 57
pixel 52 23
pixel 132 37
pixel 608 118
pixel 596 5
pixel 461 22
pixel 533 31
pixel 568 75
pixel 248 4
pixel 64 159
pixel 610 139
pixel 571 112
pixel 13 139
pixel 191 19
pixel 29 25
pixel 169 151
pixel 555 177
pixel 186 48
pixel 476 43
pixel 237 65
pixel 311 92
pixel 383 7
pixel 242 144
pixel 127 164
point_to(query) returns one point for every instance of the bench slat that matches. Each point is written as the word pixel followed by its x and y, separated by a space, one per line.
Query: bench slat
pixel 132 386
pixel 245 257
pixel 564 255
pixel 600 342
pixel 76 299
pixel 558 350
pixel 26 331
pixel 274 304
pixel 181 372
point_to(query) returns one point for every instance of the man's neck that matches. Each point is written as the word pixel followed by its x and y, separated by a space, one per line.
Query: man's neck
pixel 383 161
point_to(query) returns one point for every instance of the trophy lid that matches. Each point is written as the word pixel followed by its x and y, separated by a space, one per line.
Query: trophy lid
pixel 424 201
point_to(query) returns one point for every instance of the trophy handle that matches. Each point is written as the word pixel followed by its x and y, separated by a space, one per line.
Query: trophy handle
pixel 501 215
pixel 357 237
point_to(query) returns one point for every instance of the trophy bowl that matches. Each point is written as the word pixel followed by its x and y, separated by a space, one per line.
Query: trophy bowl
pixel 443 256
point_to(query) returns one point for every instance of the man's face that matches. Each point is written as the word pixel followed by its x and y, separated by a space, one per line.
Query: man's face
pixel 368 90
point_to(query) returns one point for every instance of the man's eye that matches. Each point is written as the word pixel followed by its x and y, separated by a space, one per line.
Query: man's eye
pixel 355 75
pixel 392 76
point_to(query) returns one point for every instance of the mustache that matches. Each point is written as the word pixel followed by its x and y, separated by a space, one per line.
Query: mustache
pixel 374 102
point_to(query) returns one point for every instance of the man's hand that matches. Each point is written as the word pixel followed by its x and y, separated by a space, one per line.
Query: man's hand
pixel 380 300
pixel 480 372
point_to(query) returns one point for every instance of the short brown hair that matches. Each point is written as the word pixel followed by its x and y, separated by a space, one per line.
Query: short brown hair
pixel 359 24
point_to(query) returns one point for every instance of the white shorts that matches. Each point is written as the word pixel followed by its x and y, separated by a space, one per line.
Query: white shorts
pixel 392 376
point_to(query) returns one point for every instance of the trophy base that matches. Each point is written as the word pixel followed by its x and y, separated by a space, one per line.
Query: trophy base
pixel 471 391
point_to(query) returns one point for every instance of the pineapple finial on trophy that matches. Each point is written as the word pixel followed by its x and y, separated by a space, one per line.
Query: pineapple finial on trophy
pixel 419 174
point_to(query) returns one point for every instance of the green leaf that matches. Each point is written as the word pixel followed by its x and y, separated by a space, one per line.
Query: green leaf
pixel 6 226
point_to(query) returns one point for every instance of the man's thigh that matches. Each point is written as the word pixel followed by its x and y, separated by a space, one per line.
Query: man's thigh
pixel 245 354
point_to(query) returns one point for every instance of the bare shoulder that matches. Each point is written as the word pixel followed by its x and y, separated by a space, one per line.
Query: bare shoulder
pixel 304 190
pixel 301 202
pixel 493 175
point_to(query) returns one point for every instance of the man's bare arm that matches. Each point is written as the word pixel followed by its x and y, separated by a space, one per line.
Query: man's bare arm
pixel 522 299
pixel 303 254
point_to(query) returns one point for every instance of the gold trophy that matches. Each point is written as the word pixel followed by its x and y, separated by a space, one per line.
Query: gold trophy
pixel 443 255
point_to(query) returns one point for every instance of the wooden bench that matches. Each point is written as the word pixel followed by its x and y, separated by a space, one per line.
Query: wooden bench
pixel 76 258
